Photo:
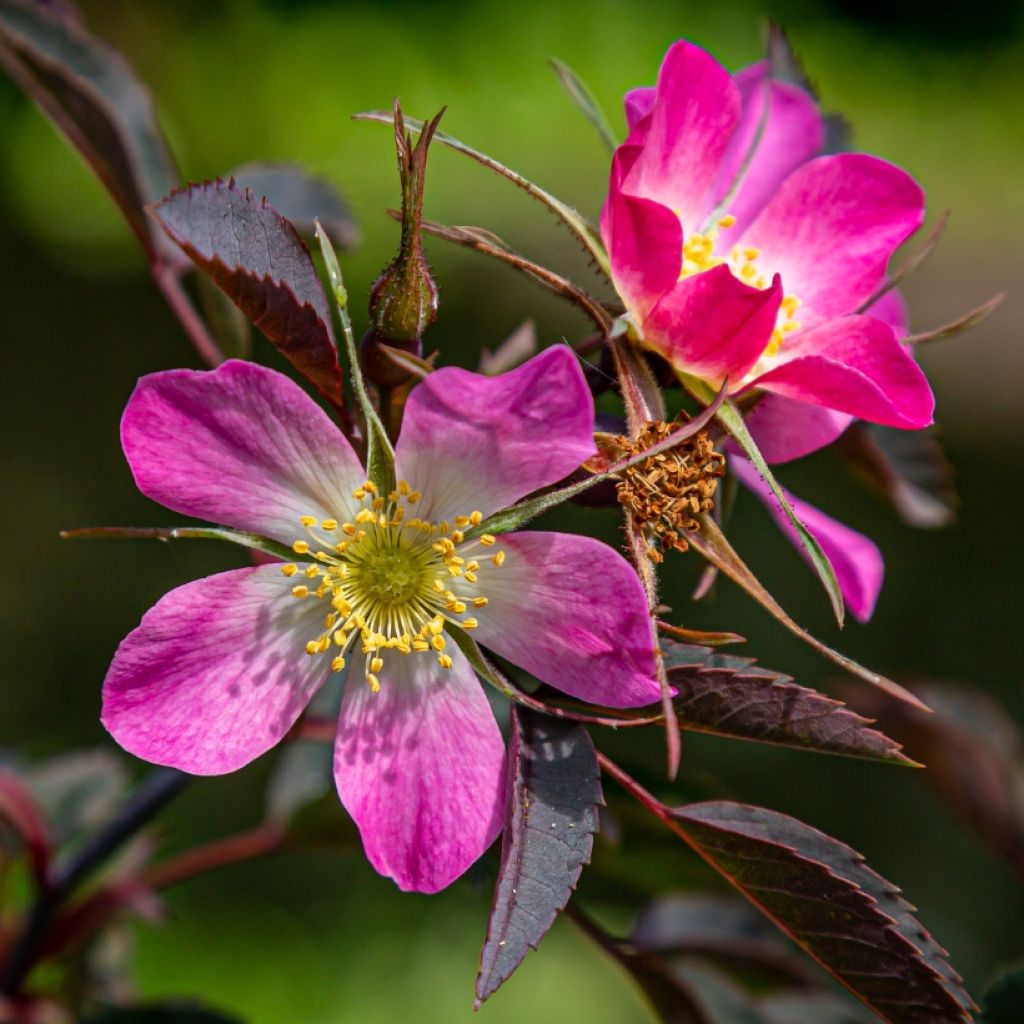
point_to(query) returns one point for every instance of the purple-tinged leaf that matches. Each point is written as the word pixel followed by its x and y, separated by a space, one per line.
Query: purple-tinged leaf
pixel 303 198
pixel 786 67
pixel 808 1007
pixel 554 794
pixel 843 914
pixel 91 94
pixel 257 257
pixel 714 546
pixel 721 929
pixel 669 996
pixel 729 696
pixel 974 757
pixel 908 467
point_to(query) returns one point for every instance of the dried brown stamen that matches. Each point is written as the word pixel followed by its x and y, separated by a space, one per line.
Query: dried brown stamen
pixel 666 492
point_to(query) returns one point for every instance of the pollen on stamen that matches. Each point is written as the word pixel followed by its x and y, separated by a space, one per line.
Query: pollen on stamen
pixel 445 661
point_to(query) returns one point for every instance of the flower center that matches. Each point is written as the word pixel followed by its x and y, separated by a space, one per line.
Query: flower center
pixel 390 580
pixel 699 255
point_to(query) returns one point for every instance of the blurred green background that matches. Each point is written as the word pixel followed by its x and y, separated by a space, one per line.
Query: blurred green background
pixel 318 937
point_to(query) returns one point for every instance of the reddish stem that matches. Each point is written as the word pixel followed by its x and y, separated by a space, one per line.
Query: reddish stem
pixel 169 283
pixel 258 842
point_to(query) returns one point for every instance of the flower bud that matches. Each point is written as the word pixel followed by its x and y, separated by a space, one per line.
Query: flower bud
pixel 403 300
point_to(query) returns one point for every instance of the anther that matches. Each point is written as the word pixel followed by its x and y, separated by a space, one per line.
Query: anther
pixel 487 539
pixel 300 591
pixel 444 661
pixel 290 569
pixel 499 558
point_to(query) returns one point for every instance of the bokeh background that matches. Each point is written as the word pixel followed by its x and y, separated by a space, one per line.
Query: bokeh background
pixel 317 936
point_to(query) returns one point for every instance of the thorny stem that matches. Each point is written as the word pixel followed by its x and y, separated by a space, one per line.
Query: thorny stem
pixel 158 790
pixel 169 282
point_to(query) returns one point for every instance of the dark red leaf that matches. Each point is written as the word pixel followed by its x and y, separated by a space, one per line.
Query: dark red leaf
pixel 721 929
pixel 726 695
pixel 974 757
pixel 303 198
pixel 844 915
pixel 256 256
pixel 91 94
pixel 554 793
pixel 908 467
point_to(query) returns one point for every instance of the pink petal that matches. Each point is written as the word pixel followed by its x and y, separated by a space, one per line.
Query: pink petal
pixel 638 103
pixel 891 309
pixel 712 325
pixel 420 766
pixel 785 429
pixel 685 137
pixel 854 364
pixel 471 442
pixel 216 673
pixel 832 227
pixel 240 445
pixel 855 558
pixel 793 133
pixel 644 241
pixel 571 611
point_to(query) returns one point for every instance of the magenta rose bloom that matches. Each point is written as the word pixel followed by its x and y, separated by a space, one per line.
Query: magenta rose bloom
pixel 741 254
pixel 220 669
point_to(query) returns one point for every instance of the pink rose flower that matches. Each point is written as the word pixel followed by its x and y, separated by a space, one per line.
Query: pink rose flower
pixel 742 254
pixel 220 669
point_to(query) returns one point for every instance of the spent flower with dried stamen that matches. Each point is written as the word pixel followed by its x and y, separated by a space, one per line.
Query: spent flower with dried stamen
pixel 380 587
pixel 667 492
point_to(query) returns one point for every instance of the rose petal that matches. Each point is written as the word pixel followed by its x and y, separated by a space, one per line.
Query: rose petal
pixel 785 429
pixel 240 445
pixel 216 673
pixel 685 137
pixel 854 364
pixel 571 611
pixel 712 325
pixel 471 442
pixel 832 227
pixel 644 241
pixel 638 104
pixel 891 309
pixel 856 559
pixel 792 133
pixel 420 766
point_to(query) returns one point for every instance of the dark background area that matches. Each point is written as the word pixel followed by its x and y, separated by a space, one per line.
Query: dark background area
pixel 318 936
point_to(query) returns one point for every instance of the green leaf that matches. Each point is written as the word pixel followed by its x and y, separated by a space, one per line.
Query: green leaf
pixel 844 915
pixel 733 422
pixel 258 259
pixel 554 794
pixel 380 454
pixel 93 97
pixel 581 95
pixel 570 217
pixel 166 533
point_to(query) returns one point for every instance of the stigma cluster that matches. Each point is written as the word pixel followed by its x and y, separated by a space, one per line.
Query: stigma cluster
pixel 390 579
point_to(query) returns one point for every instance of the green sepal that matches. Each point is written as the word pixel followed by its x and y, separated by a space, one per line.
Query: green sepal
pixel 730 418
pixel 380 454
